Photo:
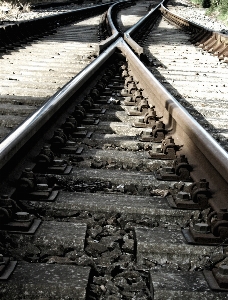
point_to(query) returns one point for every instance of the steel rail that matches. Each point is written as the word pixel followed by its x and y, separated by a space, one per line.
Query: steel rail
pixel 15 141
pixel 128 35
pixel 209 40
pixel 115 33
pixel 164 102
pixel 201 149
pixel 20 32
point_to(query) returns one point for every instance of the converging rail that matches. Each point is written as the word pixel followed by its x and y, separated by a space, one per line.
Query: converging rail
pixel 112 189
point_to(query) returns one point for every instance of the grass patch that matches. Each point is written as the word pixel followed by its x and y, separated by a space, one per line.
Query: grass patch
pixel 11 9
pixel 215 8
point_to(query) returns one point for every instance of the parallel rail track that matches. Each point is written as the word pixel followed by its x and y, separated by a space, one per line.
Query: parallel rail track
pixel 108 219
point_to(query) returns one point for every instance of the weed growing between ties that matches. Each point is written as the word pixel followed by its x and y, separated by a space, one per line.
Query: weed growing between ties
pixel 12 9
pixel 216 8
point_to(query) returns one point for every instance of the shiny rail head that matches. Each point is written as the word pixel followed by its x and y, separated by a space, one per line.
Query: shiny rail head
pixel 174 114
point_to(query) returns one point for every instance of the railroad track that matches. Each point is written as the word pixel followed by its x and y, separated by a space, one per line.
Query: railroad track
pixel 119 193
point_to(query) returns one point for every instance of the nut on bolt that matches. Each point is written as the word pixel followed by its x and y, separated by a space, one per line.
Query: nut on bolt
pixel 183 196
pixel 202 227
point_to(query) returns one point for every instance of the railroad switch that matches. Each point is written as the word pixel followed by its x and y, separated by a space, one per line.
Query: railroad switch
pixel 7 266
pixel 13 219
pixel 180 171
pixel 217 278
pixel 167 150
pixel 195 197
pixel 60 144
pixel 149 119
pixel 47 163
pixel 156 135
pixel 34 188
pixel 140 109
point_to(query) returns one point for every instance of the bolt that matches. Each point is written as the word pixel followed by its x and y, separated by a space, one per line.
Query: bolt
pixel 183 196
pixel 22 216
pixel 202 227
pixel 223 270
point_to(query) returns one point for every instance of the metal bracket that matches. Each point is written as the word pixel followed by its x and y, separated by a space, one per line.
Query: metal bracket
pixel 97 110
pixel 179 172
pixel 90 121
pixel 140 109
pixel 33 188
pixel 81 132
pixel 47 163
pixel 197 238
pixel 197 197
pixel 6 267
pixel 156 135
pixel 167 150
pixel 217 279
pixel 214 232
pixel 22 222
pixel 148 120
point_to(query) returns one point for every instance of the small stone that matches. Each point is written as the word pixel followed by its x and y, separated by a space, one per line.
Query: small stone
pixel 95 248
pixel 94 231
pixel 130 189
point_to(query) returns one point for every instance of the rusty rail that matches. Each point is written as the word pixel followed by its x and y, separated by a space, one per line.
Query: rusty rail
pixel 15 141
pixel 111 24
pixel 211 41
pixel 199 146
pixel 21 32
pixel 139 29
